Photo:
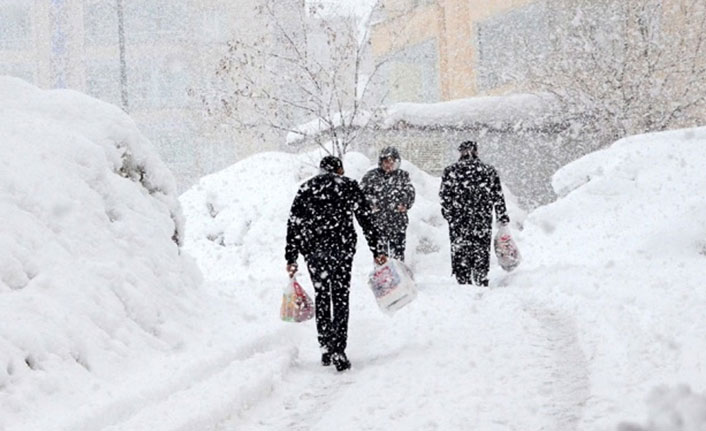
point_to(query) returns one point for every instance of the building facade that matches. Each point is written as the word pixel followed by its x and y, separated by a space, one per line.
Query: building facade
pixel 170 47
pixel 448 49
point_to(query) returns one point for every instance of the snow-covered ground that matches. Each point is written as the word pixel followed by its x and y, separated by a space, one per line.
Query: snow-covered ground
pixel 607 306
pixel 107 325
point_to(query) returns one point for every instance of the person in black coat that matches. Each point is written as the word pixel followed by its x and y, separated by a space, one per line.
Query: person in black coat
pixel 391 194
pixel 470 191
pixel 320 227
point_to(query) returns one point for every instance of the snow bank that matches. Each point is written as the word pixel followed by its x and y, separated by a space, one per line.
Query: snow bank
pixel 673 409
pixel 623 253
pixel 92 281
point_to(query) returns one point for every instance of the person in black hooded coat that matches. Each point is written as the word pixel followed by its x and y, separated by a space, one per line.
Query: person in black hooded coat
pixel 470 191
pixel 391 194
pixel 320 227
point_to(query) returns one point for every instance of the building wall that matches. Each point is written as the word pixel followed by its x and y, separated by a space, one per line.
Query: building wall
pixel 455 26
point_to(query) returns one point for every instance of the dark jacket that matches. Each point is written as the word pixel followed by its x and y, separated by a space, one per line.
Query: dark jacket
pixel 321 218
pixel 470 191
pixel 386 191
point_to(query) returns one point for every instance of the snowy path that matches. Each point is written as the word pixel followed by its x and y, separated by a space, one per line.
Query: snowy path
pixel 567 386
pixel 442 364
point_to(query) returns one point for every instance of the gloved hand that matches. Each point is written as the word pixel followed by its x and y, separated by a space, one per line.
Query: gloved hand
pixel 380 259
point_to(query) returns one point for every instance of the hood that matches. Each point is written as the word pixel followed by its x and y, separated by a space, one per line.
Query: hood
pixel 389 152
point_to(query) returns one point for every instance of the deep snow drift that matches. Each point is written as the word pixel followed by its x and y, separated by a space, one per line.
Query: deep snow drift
pixel 92 283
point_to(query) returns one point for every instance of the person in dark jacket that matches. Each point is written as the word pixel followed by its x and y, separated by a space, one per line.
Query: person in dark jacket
pixel 391 194
pixel 320 227
pixel 470 192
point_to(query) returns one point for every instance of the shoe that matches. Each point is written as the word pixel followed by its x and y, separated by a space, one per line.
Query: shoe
pixel 325 359
pixel 340 361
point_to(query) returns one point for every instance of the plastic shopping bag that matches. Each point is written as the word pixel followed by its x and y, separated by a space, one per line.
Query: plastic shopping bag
pixel 296 304
pixel 506 250
pixel 393 286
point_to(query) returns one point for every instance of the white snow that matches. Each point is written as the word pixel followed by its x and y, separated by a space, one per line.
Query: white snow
pixel 512 109
pixel 101 314
pixel 323 124
pixel 106 324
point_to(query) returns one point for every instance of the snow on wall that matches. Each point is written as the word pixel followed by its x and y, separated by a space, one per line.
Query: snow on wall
pixel 91 278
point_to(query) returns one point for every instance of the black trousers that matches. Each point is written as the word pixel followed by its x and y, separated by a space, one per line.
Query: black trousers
pixel 395 242
pixel 470 255
pixel 331 275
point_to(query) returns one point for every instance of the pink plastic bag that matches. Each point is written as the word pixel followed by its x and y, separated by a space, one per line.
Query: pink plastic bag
pixel 506 250
pixel 296 304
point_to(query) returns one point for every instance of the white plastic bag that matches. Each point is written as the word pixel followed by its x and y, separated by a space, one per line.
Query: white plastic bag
pixel 297 306
pixel 506 250
pixel 393 286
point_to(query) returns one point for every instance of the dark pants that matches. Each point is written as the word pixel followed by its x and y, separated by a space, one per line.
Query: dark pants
pixel 470 255
pixel 394 241
pixel 331 275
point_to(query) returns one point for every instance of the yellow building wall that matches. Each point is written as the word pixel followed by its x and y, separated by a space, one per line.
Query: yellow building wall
pixel 451 23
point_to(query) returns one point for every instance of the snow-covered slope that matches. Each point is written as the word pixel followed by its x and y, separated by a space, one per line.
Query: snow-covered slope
pixel 624 253
pixel 92 283
pixel 105 325
pixel 605 311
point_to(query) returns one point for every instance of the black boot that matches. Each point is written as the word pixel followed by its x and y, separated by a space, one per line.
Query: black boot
pixel 326 359
pixel 340 361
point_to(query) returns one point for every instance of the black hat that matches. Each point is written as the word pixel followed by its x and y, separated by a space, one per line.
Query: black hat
pixel 331 164
pixel 471 146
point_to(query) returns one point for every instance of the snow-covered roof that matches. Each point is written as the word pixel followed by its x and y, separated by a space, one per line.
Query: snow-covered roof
pixel 320 125
pixel 512 110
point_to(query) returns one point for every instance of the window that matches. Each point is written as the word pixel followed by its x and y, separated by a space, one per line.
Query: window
pixel 413 73
pixel 103 81
pixel 100 20
pixel 159 82
pixel 149 20
pixel 16 26
pixel 506 42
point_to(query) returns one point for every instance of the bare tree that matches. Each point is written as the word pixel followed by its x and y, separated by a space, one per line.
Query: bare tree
pixel 628 66
pixel 308 68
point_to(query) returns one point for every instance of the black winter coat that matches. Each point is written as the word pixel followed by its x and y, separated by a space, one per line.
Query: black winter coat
pixel 386 191
pixel 470 191
pixel 321 218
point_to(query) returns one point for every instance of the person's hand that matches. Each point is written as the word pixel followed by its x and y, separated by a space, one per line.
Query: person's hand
pixel 402 208
pixel 292 269
pixel 381 259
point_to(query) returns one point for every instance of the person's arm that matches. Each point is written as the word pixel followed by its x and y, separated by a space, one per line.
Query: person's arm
pixel 499 200
pixel 361 209
pixel 409 191
pixel 446 195
pixel 367 185
pixel 294 233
